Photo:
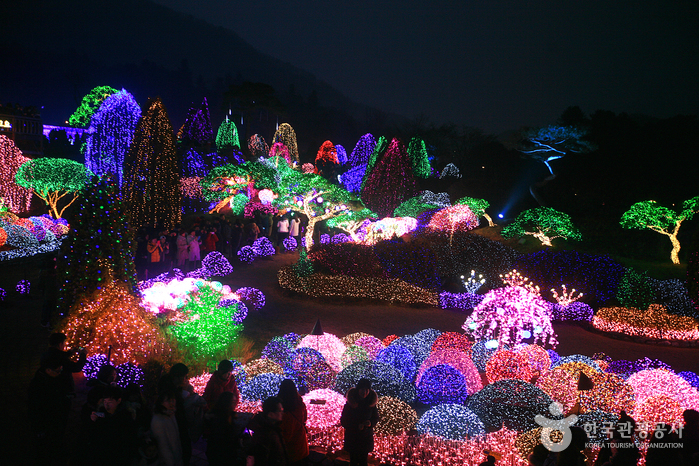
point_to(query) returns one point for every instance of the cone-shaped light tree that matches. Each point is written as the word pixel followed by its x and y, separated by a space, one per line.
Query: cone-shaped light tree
pixel 227 136
pixel 109 137
pixel 419 158
pixel 390 182
pixel 98 249
pixel 196 129
pixel 152 173
pixel 650 215
pixel 52 180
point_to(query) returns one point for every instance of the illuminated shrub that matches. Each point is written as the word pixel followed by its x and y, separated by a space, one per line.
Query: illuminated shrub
pixel 452 340
pixel 449 300
pixel 561 386
pixel 385 380
pixel 509 403
pixel 442 384
pixel 646 363
pixel 634 290
pixel 262 366
pixel 454 218
pixel 300 362
pixel 278 149
pixel 93 364
pixel 355 260
pixel 128 373
pixel 508 364
pixel 459 361
pixel 325 415
pixel 621 367
pixel 246 254
pixel 573 358
pixel 263 247
pixel 353 354
pixel 451 421
pixel 597 277
pixel 20 237
pixel 389 339
pixel 328 345
pixel 278 350
pixel 412 262
pixel 290 243
pixel 199 383
pixel 656 409
pixel 216 265
pixel 690 377
pixel 371 345
pixel 574 311
pixel 673 295
pixel 659 382
pixel 400 358
pixel 261 387
pixel 395 416
pixel 611 394
pixel 538 358
pixel 591 422
pixel 693 280
pixel 653 322
pixel 480 354
pixel 251 297
pixel 511 315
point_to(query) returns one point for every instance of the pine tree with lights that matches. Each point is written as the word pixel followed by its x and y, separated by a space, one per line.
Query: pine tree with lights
pixel 390 182
pixel 478 207
pixel 362 150
pixel 544 224
pixel 419 158
pixel 98 249
pixel 89 105
pixel 111 130
pixel 196 129
pixel 652 216
pixel 227 136
pixel 152 172
pixel 326 159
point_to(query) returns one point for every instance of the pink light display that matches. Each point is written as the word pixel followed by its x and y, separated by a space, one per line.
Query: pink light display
pixel 458 360
pixel 454 218
pixel 324 408
pixel 328 345
pixel 508 364
pixel 538 357
pixel 199 382
pixel 511 315
pixel 660 382
pixel 387 228
pixel 656 409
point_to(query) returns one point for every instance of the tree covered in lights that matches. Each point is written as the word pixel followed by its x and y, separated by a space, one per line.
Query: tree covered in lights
pixel 554 142
pixel 544 224
pixel 98 249
pixel 152 173
pixel 52 180
pixel 326 159
pixel 478 207
pixel 286 135
pixel 196 129
pixel 227 136
pixel 390 182
pixel 224 183
pixel 109 137
pixel 313 196
pixel 652 216
pixel 351 221
pixel 14 197
pixel 362 150
pixel 378 150
pixel 419 158
pixel 89 105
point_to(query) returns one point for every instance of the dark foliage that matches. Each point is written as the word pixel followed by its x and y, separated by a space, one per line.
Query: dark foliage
pixel 634 290
pixel 355 260
pixel 597 277
pixel 693 278
pixel 412 262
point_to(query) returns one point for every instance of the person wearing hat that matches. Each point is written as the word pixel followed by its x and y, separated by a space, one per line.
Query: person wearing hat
pixel 221 381
pixel 359 416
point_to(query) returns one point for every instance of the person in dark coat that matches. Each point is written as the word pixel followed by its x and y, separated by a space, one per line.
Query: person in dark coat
pixel 223 432
pixel 359 416
pixel 57 347
pixel 293 425
pixel 268 447
pixel 48 409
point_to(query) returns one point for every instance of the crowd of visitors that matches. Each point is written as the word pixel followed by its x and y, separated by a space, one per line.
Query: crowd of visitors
pixel 124 427
pixel 159 250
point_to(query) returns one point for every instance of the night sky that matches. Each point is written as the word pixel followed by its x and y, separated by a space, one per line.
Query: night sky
pixel 496 65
